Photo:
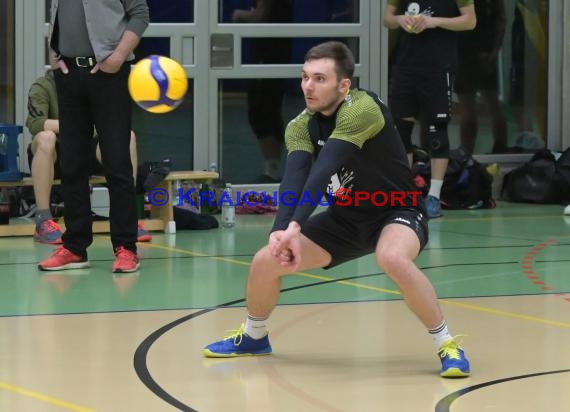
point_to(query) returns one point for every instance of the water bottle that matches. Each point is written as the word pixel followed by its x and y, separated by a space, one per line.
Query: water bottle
pixel 3 150
pixel 228 207
pixel 3 144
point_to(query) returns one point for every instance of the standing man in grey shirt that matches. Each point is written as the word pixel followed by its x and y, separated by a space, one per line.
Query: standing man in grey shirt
pixel 91 44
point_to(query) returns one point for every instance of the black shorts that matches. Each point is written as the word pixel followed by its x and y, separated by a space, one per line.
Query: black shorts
pixel 95 168
pixel 347 239
pixel 415 93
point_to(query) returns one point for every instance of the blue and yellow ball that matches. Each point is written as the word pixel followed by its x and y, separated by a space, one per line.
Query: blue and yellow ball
pixel 158 84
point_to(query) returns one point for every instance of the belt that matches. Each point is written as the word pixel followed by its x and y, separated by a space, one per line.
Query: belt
pixel 83 62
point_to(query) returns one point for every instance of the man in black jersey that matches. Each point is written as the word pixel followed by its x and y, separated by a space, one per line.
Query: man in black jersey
pixel 420 85
pixel 350 135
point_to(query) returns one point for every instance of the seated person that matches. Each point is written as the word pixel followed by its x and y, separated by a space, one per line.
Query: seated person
pixel 43 124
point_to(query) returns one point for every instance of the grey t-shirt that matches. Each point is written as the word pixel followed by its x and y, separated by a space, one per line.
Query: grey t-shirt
pixel 73 39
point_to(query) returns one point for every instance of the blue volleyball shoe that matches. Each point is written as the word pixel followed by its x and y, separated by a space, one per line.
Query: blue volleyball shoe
pixel 236 344
pixel 433 206
pixel 454 363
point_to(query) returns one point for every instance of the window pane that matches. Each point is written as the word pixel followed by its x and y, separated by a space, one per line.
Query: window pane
pixel 286 50
pixel 500 84
pixel 251 132
pixel 291 11
pixel 152 45
pixel 169 135
pixel 171 11
pixel 161 11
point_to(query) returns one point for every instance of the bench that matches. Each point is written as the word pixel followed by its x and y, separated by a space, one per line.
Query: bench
pixel 161 217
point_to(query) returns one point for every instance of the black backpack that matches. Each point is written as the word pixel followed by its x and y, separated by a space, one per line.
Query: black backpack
pixel 543 179
pixel 467 183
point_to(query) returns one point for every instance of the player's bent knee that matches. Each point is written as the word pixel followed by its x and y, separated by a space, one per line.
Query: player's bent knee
pixel 266 264
pixel 46 136
pixel 390 260
pixel 438 140
pixel 44 141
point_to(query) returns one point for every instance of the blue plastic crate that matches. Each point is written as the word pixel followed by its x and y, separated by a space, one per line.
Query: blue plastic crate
pixel 9 152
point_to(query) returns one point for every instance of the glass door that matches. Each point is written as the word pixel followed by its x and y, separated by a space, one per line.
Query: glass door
pixel 257 49
pixel 244 71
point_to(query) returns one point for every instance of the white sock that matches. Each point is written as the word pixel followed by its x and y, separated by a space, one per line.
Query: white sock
pixel 440 334
pixel 255 327
pixel 435 187
pixel 43 215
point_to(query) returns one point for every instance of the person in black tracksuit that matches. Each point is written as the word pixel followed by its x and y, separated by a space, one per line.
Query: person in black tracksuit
pixel 345 144
pixel 424 59
pixel 91 44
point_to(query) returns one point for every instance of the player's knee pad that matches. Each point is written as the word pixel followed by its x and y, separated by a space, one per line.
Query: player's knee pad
pixel 405 128
pixel 438 140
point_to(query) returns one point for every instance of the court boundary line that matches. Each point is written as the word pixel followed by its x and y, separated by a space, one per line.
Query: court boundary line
pixel 45 398
pixel 141 353
pixel 444 404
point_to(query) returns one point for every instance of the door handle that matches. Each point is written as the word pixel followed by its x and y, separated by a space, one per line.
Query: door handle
pixel 222 51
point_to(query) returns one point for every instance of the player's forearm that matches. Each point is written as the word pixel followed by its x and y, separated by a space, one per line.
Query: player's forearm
pixel 128 43
pixel 391 20
pixel 467 20
pixel 296 171
pixel 459 23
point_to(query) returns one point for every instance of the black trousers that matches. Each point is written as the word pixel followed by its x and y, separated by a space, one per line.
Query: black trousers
pixel 99 100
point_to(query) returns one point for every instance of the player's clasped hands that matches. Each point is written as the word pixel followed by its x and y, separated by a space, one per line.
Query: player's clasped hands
pixel 417 23
pixel 284 246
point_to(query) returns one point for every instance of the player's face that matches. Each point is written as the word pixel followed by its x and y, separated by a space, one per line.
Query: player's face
pixel 322 89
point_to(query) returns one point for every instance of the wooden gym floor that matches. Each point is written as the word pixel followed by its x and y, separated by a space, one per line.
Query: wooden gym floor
pixel 343 340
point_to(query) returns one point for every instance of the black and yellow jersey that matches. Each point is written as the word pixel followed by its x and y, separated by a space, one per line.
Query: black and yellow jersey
pixel 373 160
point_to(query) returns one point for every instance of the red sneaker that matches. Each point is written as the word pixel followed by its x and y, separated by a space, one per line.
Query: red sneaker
pixel 63 259
pixel 127 261
pixel 143 235
pixel 48 232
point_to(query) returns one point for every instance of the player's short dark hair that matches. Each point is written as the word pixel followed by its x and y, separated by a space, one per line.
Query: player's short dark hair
pixel 339 52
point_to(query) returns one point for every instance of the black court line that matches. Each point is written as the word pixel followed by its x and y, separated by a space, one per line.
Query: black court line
pixel 423 268
pixel 444 404
pixel 141 354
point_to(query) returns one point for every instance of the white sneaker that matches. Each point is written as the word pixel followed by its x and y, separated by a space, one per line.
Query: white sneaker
pixel 567 210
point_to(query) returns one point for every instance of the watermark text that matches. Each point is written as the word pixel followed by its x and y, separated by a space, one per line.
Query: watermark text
pixel 342 197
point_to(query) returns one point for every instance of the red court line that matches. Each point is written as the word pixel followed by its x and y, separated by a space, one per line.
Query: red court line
pixel 527 269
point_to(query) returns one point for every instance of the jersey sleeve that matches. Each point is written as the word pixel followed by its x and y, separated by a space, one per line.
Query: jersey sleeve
pixel 38 108
pixel 297 134
pixel 359 121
